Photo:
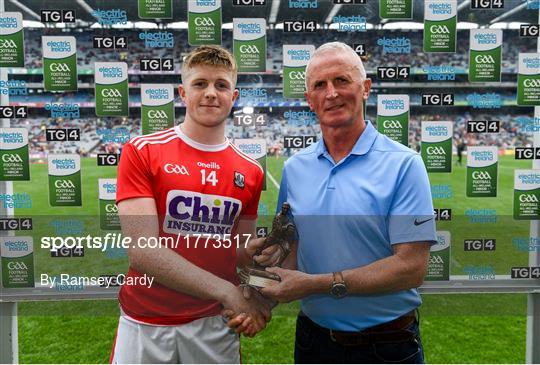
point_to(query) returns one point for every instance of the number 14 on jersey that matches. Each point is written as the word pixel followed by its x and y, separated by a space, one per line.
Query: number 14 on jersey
pixel 208 177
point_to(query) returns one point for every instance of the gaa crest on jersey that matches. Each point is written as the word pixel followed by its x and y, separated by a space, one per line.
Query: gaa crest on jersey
pixel 239 179
pixel 189 212
pixel 171 168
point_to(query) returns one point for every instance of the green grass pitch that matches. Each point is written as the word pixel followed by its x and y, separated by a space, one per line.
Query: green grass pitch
pixel 455 328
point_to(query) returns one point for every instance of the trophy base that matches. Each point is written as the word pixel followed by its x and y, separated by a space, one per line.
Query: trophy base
pixel 259 278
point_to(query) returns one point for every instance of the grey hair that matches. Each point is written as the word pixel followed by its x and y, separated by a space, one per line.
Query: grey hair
pixel 337 47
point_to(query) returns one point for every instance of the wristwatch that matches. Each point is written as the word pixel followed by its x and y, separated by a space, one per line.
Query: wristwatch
pixel 339 288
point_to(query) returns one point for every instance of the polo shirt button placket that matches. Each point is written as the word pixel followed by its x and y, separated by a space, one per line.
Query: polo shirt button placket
pixel 330 184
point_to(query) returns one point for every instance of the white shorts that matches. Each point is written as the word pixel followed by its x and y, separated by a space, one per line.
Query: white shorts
pixel 206 340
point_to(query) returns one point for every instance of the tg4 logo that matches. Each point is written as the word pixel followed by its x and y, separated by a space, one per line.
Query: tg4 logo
pixel 394 73
pixel 437 99
pixel 14 112
pixel 156 64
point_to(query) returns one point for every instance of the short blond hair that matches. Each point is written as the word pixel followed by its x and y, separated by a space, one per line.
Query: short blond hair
pixel 210 55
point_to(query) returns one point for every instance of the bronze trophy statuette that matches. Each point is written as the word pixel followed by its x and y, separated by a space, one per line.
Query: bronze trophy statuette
pixel 283 234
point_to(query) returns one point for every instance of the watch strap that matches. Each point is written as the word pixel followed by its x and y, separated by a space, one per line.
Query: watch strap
pixel 338 277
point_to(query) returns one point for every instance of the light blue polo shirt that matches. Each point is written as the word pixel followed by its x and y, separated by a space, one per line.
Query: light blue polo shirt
pixel 350 214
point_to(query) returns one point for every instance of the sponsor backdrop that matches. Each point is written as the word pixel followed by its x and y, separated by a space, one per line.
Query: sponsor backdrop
pixel 113 74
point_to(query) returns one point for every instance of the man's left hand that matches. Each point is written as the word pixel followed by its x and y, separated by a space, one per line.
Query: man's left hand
pixel 268 257
pixel 294 285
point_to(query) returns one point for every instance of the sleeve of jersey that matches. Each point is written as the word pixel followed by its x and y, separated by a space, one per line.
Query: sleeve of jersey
pixel 253 206
pixel 411 216
pixel 134 179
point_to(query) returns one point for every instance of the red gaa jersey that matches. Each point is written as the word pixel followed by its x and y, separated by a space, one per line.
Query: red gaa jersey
pixel 200 191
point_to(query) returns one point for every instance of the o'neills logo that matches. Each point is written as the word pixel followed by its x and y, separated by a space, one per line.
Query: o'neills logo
pixel 189 212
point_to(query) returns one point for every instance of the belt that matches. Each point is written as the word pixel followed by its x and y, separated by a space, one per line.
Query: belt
pixel 389 332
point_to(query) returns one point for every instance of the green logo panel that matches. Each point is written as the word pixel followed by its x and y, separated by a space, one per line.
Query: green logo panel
pixel 157 118
pixel 395 9
pixel 151 9
pixel 65 190
pixel 108 215
pixel 485 66
pixel 60 74
pixel 250 55
pixel 527 204
pixel 15 164
pixel 294 83
pixel 18 272
pixel 112 100
pixel 528 92
pixel 439 265
pixel 482 181
pixel 395 127
pixel 12 50
pixel 437 156
pixel 440 36
pixel 204 28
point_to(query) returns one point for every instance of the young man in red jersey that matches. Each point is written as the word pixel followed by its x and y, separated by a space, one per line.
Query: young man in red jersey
pixel 190 185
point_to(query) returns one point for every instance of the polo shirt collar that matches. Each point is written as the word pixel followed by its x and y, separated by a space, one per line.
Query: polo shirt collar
pixel 362 145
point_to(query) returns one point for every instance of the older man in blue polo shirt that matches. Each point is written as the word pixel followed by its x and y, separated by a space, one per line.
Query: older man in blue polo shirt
pixel 363 209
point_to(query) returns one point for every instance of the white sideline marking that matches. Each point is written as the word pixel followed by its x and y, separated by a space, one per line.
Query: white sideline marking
pixel 272 179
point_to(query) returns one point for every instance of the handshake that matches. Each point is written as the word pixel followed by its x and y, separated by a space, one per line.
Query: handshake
pixel 247 309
